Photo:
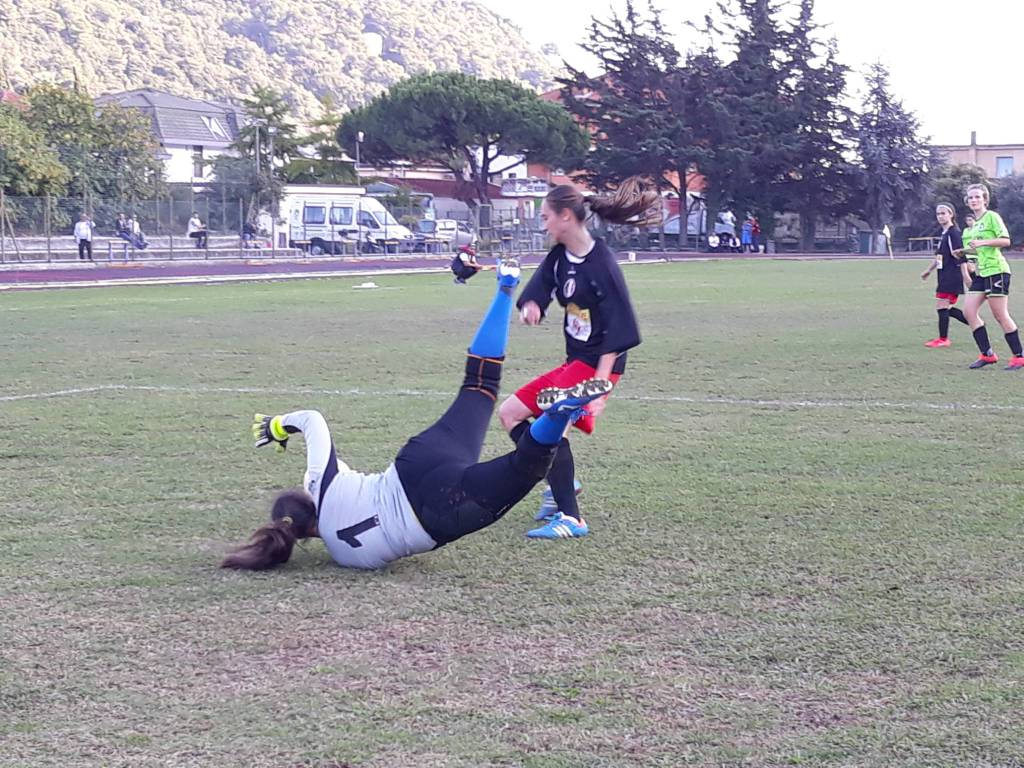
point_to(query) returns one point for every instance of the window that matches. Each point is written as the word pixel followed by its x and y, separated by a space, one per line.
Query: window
pixel 366 220
pixel 314 214
pixel 198 166
pixel 214 126
pixel 1004 167
pixel 341 215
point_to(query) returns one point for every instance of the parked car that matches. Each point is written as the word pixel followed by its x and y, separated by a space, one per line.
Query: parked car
pixel 452 234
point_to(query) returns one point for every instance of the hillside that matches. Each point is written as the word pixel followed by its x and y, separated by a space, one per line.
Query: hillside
pixel 222 49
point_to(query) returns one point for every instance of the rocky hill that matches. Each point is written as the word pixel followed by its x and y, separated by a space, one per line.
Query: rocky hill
pixel 352 49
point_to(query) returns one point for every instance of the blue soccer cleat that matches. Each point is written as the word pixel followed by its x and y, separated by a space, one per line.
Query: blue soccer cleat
pixel 570 399
pixel 548 507
pixel 560 527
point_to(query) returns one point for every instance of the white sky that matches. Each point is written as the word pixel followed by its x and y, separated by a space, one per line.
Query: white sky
pixel 925 45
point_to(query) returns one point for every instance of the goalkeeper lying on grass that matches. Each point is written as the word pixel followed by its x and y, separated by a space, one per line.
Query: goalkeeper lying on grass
pixel 436 490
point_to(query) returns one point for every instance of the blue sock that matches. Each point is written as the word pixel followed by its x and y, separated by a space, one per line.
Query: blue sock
pixel 548 428
pixel 492 335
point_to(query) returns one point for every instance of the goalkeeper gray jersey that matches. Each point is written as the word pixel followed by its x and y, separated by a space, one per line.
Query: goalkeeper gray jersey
pixel 366 521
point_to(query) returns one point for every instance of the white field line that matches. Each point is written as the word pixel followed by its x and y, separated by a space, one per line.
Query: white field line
pixel 731 401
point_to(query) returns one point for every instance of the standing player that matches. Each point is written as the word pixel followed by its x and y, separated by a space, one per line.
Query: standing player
pixel 581 273
pixel 952 274
pixel 984 243
pixel 436 490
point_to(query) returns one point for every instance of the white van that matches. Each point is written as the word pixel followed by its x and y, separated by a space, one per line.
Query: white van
pixel 332 219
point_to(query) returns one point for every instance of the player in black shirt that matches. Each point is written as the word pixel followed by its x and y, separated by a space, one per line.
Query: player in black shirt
pixel 581 273
pixel 952 274
pixel 464 264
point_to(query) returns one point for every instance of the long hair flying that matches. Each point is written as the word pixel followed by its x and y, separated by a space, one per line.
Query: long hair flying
pixel 632 203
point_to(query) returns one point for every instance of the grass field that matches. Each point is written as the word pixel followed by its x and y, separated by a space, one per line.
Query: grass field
pixel 806 550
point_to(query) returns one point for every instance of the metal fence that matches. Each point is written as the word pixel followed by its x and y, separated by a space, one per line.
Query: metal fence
pixel 41 229
pixel 55 216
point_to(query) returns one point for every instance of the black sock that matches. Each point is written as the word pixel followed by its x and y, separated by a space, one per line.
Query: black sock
pixel 958 314
pixel 943 323
pixel 981 339
pixel 517 431
pixel 560 477
pixel 1013 339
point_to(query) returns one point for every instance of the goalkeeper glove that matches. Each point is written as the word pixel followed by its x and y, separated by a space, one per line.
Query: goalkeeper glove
pixel 268 429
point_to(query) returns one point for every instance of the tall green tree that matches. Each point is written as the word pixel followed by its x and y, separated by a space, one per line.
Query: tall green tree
pixel 268 134
pixel 319 158
pixel 110 152
pixel 947 186
pixel 1008 199
pixel 27 165
pixel 634 108
pixel 267 142
pixel 757 96
pixel 821 179
pixel 895 158
pixel 466 124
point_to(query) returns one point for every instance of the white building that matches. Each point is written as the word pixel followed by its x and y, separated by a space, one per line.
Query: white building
pixel 191 132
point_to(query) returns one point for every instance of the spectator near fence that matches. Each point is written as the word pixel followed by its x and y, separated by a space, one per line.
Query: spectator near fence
pixel 197 230
pixel 83 236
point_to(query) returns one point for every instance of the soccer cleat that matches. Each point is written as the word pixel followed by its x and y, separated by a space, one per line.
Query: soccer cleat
pixel 984 360
pixel 570 399
pixel 560 527
pixel 508 273
pixel 268 429
pixel 937 343
pixel 1016 363
pixel 548 507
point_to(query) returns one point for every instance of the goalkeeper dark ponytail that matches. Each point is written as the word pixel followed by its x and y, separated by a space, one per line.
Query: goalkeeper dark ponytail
pixel 292 517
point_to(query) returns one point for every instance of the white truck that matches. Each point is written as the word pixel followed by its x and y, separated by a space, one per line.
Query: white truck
pixel 340 219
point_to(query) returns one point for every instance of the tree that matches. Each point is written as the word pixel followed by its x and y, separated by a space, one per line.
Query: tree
pixel 895 160
pixel 109 151
pixel 947 186
pixel 1010 191
pixel 463 123
pixel 327 165
pixel 267 139
pixel 634 108
pixel 821 179
pixel 27 165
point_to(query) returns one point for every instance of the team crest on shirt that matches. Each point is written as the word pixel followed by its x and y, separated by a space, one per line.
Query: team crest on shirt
pixel 578 323
pixel 569 288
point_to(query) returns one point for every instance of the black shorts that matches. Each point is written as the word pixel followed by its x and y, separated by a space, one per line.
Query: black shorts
pixel 992 286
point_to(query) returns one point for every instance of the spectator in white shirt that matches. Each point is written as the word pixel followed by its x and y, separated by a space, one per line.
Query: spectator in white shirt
pixel 197 230
pixel 83 235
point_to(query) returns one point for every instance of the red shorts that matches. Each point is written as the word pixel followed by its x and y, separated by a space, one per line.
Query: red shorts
pixel 950 297
pixel 562 376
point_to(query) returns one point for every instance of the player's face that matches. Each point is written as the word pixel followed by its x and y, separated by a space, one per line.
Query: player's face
pixel 942 216
pixel 554 222
pixel 976 200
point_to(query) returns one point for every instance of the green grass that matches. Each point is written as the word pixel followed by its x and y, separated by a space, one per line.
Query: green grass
pixel 796 558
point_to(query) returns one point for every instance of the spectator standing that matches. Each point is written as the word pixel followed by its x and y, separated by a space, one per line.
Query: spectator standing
pixel 83 236
pixel 747 235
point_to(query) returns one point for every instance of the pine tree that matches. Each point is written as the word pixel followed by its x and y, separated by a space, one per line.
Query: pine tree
pixel 634 108
pixel 895 159
pixel 821 179
pixel 745 120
